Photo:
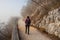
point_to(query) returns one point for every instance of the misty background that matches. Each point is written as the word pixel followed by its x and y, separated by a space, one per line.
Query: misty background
pixel 10 8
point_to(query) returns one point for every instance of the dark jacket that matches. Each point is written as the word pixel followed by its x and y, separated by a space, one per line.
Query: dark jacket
pixel 28 21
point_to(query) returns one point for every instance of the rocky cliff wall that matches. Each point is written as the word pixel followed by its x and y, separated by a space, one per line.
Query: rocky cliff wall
pixel 50 22
pixel 46 15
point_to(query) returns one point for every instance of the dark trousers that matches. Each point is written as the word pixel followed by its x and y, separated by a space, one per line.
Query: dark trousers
pixel 27 29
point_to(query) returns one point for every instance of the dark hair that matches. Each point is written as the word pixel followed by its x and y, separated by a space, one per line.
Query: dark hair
pixel 27 16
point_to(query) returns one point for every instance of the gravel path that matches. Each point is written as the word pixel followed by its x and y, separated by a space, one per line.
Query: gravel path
pixel 34 33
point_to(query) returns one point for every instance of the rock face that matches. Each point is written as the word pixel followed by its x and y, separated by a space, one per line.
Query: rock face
pixel 34 5
pixel 53 19
pixel 45 15
pixel 50 22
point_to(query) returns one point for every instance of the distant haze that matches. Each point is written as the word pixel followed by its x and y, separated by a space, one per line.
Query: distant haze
pixel 9 8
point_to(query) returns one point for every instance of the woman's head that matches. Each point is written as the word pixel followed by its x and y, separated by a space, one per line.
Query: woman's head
pixel 27 16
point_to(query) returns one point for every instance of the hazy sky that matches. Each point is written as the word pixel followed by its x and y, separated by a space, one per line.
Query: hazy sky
pixel 10 8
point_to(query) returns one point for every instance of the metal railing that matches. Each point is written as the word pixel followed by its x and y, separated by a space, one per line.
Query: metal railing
pixel 15 32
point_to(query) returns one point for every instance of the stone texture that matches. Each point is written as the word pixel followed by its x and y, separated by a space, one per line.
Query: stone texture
pixel 51 22
pixel 45 15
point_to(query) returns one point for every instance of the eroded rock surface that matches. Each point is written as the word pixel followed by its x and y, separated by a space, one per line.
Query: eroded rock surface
pixel 45 14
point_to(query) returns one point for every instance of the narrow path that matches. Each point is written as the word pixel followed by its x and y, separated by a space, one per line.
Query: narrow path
pixel 34 33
